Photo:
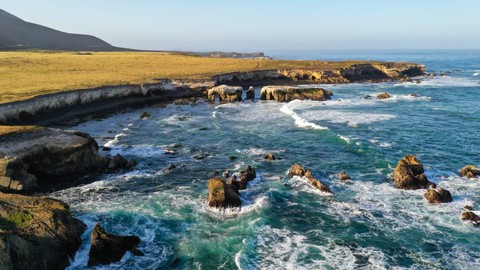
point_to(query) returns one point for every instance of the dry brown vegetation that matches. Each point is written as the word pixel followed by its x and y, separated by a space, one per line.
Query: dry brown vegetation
pixel 27 74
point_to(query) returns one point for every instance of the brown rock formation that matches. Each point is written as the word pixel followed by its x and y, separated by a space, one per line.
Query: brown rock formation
pixel 383 95
pixel 469 171
pixel 409 174
pixel 343 176
pixel 49 158
pixel 439 195
pixel 222 195
pixel 107 248
pixel 298 170
pixel 289 93
pixel 225 93
pixel 37 233
pixel 472 217
pixel 269 156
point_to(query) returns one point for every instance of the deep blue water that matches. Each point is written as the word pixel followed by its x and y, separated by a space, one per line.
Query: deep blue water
pixel 285 223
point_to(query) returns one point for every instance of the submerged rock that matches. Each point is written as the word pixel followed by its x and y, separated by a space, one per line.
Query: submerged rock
pixel 409 174
pixel 118 162
pixel 37 233
pixel 249 174
pixel 145 115
pixel 439 195
pixel 343 176
pixel 298 170
pixel 469 171
pixel 107 248
pixel 383 95
pixel 289 93
pixel 225 93
pixel 222 195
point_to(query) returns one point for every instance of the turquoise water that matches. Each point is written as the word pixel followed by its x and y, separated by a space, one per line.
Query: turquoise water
pixel 285 223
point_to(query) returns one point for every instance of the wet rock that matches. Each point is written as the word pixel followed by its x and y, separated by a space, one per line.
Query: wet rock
pixel 343 176
pixel 171 167
pixel 269 156
pixel 221 195
pixel 383 95
pixel 232 158
pixel 145 115
pixel 289 93
pixel 37 233
pixel 237 185
pixel 469 171
pixel 432 74
pixel 368 97
pixel 226 174
pixel 107 248
pixel 201 156
pixel 105 148
pixel 439 195
pixel 248 175
pixel 225 93
pixel 472 217
pixel 468 208
pixel 120 163
pixel 414 95
pixel 409 174
pixel 251 93
pixel 298 170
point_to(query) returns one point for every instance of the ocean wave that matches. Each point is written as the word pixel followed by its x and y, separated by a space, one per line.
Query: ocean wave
pixel 443 81
pixel 349 118
pixel 299 121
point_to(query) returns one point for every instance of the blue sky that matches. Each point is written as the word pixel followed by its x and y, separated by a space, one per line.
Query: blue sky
pixel 262 25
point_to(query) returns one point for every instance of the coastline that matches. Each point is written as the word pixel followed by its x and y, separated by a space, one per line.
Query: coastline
pixel 54 108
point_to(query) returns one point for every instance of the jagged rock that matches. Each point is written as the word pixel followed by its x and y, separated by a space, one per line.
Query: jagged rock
pixel 251 93
pixel 119 162
pixel 145 115
pixel 439 195
pixel 269 156
pixel 384 95
pixel 225 93
pixel 472 217
pixel 37 233
pixel 409 174
pixel 221 195
pixel 468 207
pixel 298 170
pixel 107 248
pixel 469 171
pixel 248 175
pixel 30 160
pixel 344 176
pixel 226 174
pixel 289 93
pixel 171 167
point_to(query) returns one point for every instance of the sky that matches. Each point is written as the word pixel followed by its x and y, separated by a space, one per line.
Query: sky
pixel 262 25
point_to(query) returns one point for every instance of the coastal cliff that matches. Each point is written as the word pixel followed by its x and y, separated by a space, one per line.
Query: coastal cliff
pixel 375 72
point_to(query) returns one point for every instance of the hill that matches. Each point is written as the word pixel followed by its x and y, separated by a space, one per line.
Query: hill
pixel 17 34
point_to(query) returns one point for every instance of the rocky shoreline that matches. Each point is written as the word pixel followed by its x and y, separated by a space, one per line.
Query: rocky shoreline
pixel 56 108
pixel 50 158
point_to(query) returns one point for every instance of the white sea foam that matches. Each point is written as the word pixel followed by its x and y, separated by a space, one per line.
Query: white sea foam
pixel 143 150
pixel 348 118
pixel 443 81
pixel 302 184
pixel 299 121
pixel 259 151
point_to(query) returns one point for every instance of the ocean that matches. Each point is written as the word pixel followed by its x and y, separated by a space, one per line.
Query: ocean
pixel 284 222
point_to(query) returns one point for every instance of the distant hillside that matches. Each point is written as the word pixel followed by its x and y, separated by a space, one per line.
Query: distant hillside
pixel 17 34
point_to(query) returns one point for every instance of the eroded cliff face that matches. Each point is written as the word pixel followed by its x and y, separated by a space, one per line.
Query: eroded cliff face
pixel 166 89
pixel 353 73
pixel 31 160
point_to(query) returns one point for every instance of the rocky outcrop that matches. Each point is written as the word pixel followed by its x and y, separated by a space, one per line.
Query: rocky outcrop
pixel 269 156
pixel 343 176
pixel 108 248
pixel 222 195
pixel 409 174
pixel 469 171
pixel 298 170
pixel 383 95
pixel 47 158
pixel 471 217
pixel 289 93
pixel 251 93
pixel 439 195
pixel 37 233
pixel 225 93
pixel 341 72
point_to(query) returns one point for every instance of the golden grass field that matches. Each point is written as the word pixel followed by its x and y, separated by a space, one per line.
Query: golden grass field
pixel 30 73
